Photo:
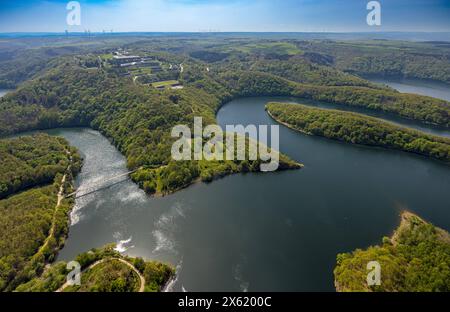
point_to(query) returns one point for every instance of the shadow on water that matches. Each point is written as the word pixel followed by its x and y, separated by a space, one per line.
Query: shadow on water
pixel 102 188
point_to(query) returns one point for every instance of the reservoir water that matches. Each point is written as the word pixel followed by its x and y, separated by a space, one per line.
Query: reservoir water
pixel 430 88
pixel 3 92
pixel 258 232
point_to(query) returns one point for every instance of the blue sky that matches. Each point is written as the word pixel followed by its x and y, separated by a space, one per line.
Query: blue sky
pixel 224 15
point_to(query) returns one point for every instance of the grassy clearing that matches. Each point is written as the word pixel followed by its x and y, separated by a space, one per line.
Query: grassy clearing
pixel 166 83
pixel 108 56
pixel 283 48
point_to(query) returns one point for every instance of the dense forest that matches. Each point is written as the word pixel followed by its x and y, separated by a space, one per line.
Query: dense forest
pixel 30 161
pixel 110 275
pixel 422 60
pixel 409 106
pixel 81 91
pixel 415 259
pixel 303 71
pixel 34 223
pixel 138 120
pixel 67 84
pixel 27 216
pixel 31 57
pixel 19 65
pixel 24 223
pixel 359 129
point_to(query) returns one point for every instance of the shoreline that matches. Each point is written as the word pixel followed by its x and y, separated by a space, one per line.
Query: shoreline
pixel 368 145
pixel 389 246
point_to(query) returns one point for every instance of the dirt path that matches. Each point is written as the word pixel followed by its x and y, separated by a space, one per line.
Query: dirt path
pixel 141 277
pixel 60 197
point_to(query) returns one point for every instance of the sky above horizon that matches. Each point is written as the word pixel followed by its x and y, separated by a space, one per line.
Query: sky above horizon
pixel 225 16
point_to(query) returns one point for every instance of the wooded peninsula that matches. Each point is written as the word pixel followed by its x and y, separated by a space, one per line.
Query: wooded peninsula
pixel 359 129
pixel 416 258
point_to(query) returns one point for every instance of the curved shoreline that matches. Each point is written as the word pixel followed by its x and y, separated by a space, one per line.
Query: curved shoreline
pixel 131 266
pixel 440 140
pixel 415 236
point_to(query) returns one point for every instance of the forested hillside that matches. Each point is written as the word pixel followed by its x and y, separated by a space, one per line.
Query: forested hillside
pixel 138 120
pixel 82 91
pixel 359 129
pixel 423 60
pixel 80 82
pixel 415 259
pixel 30 57
pixel 108 275
pixel 421 108
pixel 33 223
pixel 24 224
pixel 31 161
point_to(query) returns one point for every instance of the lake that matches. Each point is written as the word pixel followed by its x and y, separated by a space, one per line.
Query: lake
pixel 258 232
pixel 3 92
pixel 418 86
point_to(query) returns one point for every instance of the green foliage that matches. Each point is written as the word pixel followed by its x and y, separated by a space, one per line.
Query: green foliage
pixel 417 260
pixel 157 275
pixel 179 174
pixel 423 61
pixel 27 217
pixel 359 129
pixel 25 220
pixel 421 108
pixel 109 276
pixel 209 56
pixel 22 60
pixel 102 271
pixel 33 160
pixel 409 106
pixel 302 70
pixel 83 91
pixel 51 279
pixel 138 119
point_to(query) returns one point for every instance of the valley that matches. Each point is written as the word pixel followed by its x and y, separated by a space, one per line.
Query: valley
pixel 345 197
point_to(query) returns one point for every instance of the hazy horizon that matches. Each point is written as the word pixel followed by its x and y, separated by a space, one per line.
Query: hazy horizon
pixel 401 36
pixel 309 16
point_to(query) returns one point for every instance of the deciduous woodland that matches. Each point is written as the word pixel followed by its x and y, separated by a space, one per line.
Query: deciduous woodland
pixel 359 129
pixel 32 161
pixel 167 81
pixel 83 91
pixel 34 224
pixel 34 217
pixel 104 270
pixel 415 259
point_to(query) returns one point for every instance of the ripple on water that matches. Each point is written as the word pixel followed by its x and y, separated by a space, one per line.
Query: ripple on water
pixel 166 228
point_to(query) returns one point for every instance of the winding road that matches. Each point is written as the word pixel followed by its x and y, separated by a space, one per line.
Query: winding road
pixel 141 277
pixel 60 197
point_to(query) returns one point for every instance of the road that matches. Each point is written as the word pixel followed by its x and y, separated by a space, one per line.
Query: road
pixel 141 277
pixel 60 197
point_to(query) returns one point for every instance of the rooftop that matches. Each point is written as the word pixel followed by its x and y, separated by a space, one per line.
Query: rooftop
pixel 125 57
